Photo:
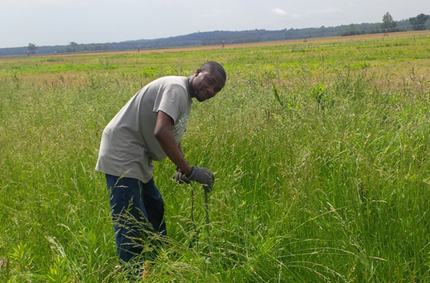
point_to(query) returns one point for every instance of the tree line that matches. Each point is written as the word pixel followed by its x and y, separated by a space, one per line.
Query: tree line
pixel 420 22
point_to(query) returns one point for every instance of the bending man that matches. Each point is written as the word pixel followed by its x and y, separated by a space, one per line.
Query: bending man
pixel 150 127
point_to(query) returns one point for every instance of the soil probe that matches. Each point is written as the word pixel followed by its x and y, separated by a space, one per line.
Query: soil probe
pixel 207 219
pixel 207 226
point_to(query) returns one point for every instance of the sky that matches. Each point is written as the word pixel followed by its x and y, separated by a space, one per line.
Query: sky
pixel 59 22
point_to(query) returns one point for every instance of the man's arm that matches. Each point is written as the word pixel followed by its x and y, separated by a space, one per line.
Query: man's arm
pixel 164 134
pixel 180 149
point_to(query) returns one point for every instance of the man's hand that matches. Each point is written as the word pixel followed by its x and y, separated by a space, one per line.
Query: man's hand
pixel 200 175
pixel 180 177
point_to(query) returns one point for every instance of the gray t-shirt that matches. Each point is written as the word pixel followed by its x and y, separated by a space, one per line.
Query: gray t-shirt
pixel 128 143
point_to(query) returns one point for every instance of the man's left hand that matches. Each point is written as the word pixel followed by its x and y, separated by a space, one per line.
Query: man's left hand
pixel 180 177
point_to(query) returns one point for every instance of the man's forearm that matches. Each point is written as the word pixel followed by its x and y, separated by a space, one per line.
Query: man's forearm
pixel 180 149
pixel 174 152
pixel 164 134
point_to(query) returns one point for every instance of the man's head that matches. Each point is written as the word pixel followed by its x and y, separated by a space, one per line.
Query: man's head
pixel 207 81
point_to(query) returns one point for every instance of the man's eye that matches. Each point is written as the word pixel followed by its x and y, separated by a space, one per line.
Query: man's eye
pixel 211 82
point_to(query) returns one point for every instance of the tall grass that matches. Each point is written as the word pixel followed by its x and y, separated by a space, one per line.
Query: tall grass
pixel 320 158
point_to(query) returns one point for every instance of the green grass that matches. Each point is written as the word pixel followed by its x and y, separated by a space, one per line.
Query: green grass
pixel 320 153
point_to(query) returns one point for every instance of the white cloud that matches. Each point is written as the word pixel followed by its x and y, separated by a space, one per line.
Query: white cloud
pixel 279 11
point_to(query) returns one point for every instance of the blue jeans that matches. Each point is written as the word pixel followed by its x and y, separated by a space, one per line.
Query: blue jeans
pixel 137 211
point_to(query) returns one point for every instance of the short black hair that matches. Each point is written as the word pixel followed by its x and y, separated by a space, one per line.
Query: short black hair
pixel 214 66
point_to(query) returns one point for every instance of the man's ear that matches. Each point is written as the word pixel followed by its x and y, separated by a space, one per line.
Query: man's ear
pixel 198 71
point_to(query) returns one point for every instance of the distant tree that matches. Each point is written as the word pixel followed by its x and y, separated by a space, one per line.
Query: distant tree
pixel 388 24
pixel 352 30
pixel 32 48
pixel 73 47
pixel 419 22
pixel 60 50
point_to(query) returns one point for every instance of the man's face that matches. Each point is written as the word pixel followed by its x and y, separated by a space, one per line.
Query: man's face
pixel 206 84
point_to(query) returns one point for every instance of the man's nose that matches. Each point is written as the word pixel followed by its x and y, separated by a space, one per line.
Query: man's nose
pixel 212 91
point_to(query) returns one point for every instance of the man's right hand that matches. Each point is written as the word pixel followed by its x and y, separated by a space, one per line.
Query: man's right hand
pixel 202 176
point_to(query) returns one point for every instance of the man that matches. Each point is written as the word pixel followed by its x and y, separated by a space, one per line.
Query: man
pixel 150 127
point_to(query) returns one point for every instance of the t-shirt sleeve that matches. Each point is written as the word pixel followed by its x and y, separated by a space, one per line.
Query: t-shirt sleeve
pixel 171 100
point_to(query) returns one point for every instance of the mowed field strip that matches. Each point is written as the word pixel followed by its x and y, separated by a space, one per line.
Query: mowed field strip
pixel 242 45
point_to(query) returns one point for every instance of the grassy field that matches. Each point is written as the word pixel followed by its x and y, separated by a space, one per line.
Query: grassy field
pixel 320 151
